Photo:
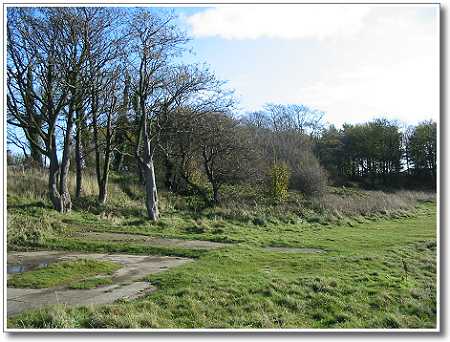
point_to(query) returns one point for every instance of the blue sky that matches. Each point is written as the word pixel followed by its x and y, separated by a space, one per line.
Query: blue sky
pixel 354 62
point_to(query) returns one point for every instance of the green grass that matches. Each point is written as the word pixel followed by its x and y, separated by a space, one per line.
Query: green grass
pixel 62 273
pixel 360 282
pixel 91 283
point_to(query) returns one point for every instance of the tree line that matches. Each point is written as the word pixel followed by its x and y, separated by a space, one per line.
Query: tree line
pixel 105 89
pixel 381 154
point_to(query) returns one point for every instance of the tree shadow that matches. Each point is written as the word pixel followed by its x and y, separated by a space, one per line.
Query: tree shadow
pixel 90 204
pixel 32 205
pixel 137 222
pixel 125 186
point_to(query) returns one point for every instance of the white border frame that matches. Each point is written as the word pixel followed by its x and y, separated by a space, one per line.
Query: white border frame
pixel 139 3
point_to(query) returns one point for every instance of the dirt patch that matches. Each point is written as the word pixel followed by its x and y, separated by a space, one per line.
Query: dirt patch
pixel 151 241
pixel 127 281
pixel 295 250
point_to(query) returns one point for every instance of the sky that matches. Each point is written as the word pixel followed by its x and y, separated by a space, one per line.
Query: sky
pixel 354 62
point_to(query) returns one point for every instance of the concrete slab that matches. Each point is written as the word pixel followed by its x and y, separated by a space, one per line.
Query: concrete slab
pixel 152 241
pixel 101 295
pixel 127 281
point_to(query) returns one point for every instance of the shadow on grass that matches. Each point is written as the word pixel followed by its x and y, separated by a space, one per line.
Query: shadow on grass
pixel 91 205
pixel 38 204
pixel 136 222
pixel 125 185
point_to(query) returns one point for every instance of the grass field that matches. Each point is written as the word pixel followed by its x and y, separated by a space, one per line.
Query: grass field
pixel 377 271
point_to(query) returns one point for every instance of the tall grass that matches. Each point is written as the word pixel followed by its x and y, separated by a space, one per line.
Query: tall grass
pixel 241 202
pixel 32 183
pixel 28 183
pixel 373 202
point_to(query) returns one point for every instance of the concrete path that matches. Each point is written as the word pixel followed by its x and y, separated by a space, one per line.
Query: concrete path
pixel 23 299
pixel 127 281
pixel 152 241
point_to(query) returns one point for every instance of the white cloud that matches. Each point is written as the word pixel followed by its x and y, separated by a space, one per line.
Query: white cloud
pixel 385 62
pixel 407 91
pixel 391 70
pixel 278 21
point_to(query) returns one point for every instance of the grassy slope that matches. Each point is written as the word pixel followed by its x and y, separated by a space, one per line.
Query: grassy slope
pixel 360 282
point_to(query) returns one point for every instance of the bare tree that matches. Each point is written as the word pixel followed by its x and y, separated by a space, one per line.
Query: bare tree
pixel 224 150
pixel 44 44
pixel 153 42
pixel 122 125
pixel 105 113
pixel 190 93
pixel 299 118
pixel 105 41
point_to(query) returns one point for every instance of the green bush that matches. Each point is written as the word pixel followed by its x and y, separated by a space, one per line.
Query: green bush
pixel 280 182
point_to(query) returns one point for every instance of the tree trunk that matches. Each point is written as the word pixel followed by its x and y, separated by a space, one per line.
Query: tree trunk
pixel 53 174
pixel 79 162
pixel 66 202
pixel 35 154
pixel 59 196
pixel 151 195
pixel 140 172
pixel 103 186
pixel 103 192
pixel 216 194
pixel 122 124
pixel 118 161
pixel 170 181
pixel 96 147
pixel 34 138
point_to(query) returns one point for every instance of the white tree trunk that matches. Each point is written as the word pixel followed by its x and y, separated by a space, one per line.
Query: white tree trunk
pixel 151 195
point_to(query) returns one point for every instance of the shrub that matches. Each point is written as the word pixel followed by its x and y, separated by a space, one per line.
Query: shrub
pixel 280 182
pixel 308 176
